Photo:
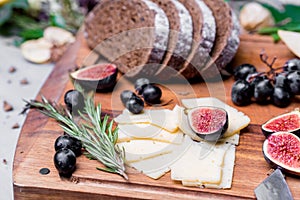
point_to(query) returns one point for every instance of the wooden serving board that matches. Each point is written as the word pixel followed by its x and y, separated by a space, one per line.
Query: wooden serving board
pixel 35 146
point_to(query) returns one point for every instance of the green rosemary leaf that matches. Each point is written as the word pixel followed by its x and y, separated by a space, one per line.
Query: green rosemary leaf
pixel 107 170
pixel 89 156
pixel 275 37
pixel 104 123
pixel 268 30
pixel 96 136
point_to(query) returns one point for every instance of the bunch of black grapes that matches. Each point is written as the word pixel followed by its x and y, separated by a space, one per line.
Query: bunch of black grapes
pixel 276 86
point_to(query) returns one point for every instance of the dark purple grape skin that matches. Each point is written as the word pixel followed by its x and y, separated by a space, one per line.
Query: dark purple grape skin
pixel 241 93
pixel 126 95
pixel 292 65
pixel 281 81
pixel 140 84
pixel 66 141
pixel 263 91
pixel 135 105
pixel 152 94
pixel 294 82
pixel 74 101
pixel 254 79
pixel 65 162
pixel 281 97
pixel 242 71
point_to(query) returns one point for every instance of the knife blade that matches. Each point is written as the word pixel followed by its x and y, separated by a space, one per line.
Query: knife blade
pixel 274 187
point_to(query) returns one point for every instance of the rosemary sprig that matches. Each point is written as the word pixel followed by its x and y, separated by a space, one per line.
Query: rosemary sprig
pixel 97 135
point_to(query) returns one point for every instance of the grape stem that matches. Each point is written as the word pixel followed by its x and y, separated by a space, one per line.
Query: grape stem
pixel 272 72
pixel 264 58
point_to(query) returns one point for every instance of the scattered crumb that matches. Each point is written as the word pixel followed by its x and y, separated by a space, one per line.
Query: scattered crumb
pixel 74 179
pixel 9 81
pixel 4 161
pixel 12 69
pixel 24 82
pixel 7 107
pixel 15 126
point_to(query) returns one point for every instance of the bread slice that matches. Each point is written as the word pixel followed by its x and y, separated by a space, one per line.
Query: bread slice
pixel 132 33
pixel 204 31
pixel 227 39
pixel 180 37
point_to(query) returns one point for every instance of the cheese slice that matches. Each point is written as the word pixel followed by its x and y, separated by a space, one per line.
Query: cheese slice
pixel 147 132
pixel 162 118
pixel 145 146
pixel 202 163
pixel 157 141
pixel 227 173
pixel 153 158
pixel 237 120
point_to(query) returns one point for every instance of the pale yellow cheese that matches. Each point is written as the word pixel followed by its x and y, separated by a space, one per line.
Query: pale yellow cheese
pixel 129 132
pixel 202 163
pixel 153 158
pixel 157 141
pixel 227 173
pixel 162 118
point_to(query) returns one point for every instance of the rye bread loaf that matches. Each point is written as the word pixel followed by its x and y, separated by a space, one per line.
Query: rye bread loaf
pixel 204 31
pixel 132 33
pixel 180 37
pixel 227 39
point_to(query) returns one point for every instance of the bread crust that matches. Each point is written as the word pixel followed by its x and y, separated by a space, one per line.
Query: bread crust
pixel 165 38
pixel 180 37
pixel 132 33
pixel 203 39
pixel 227 40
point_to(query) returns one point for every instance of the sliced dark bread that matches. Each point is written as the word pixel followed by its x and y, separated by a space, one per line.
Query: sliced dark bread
pixel 132 33
pixel 204 28
pixel 180 37
pixel 227 39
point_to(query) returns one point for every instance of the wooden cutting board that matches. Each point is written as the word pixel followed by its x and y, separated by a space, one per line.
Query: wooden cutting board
pixel 35 146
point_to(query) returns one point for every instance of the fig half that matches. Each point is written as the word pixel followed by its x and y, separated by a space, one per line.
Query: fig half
pixel 289 122
pixel 282 150
pixel 208 122
pixel 99 77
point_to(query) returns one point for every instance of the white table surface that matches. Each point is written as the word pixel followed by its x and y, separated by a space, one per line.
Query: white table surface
pixel 12 91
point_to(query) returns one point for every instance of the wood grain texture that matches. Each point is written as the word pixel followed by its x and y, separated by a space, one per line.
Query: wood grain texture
pixel 35 146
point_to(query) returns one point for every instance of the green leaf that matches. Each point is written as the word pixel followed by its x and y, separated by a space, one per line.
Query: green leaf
pixel 25 22
pixel 268 30
pixel 32 33
pixel 292 27
pixel 273 30
pixel 291 11
pixel 275 37
pixel 57 20
pixel 107 170
pixel 288 20
pixel 5 13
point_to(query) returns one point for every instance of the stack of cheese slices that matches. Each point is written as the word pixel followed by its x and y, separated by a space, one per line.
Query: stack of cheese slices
pixel 159 141
pixel 165 38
